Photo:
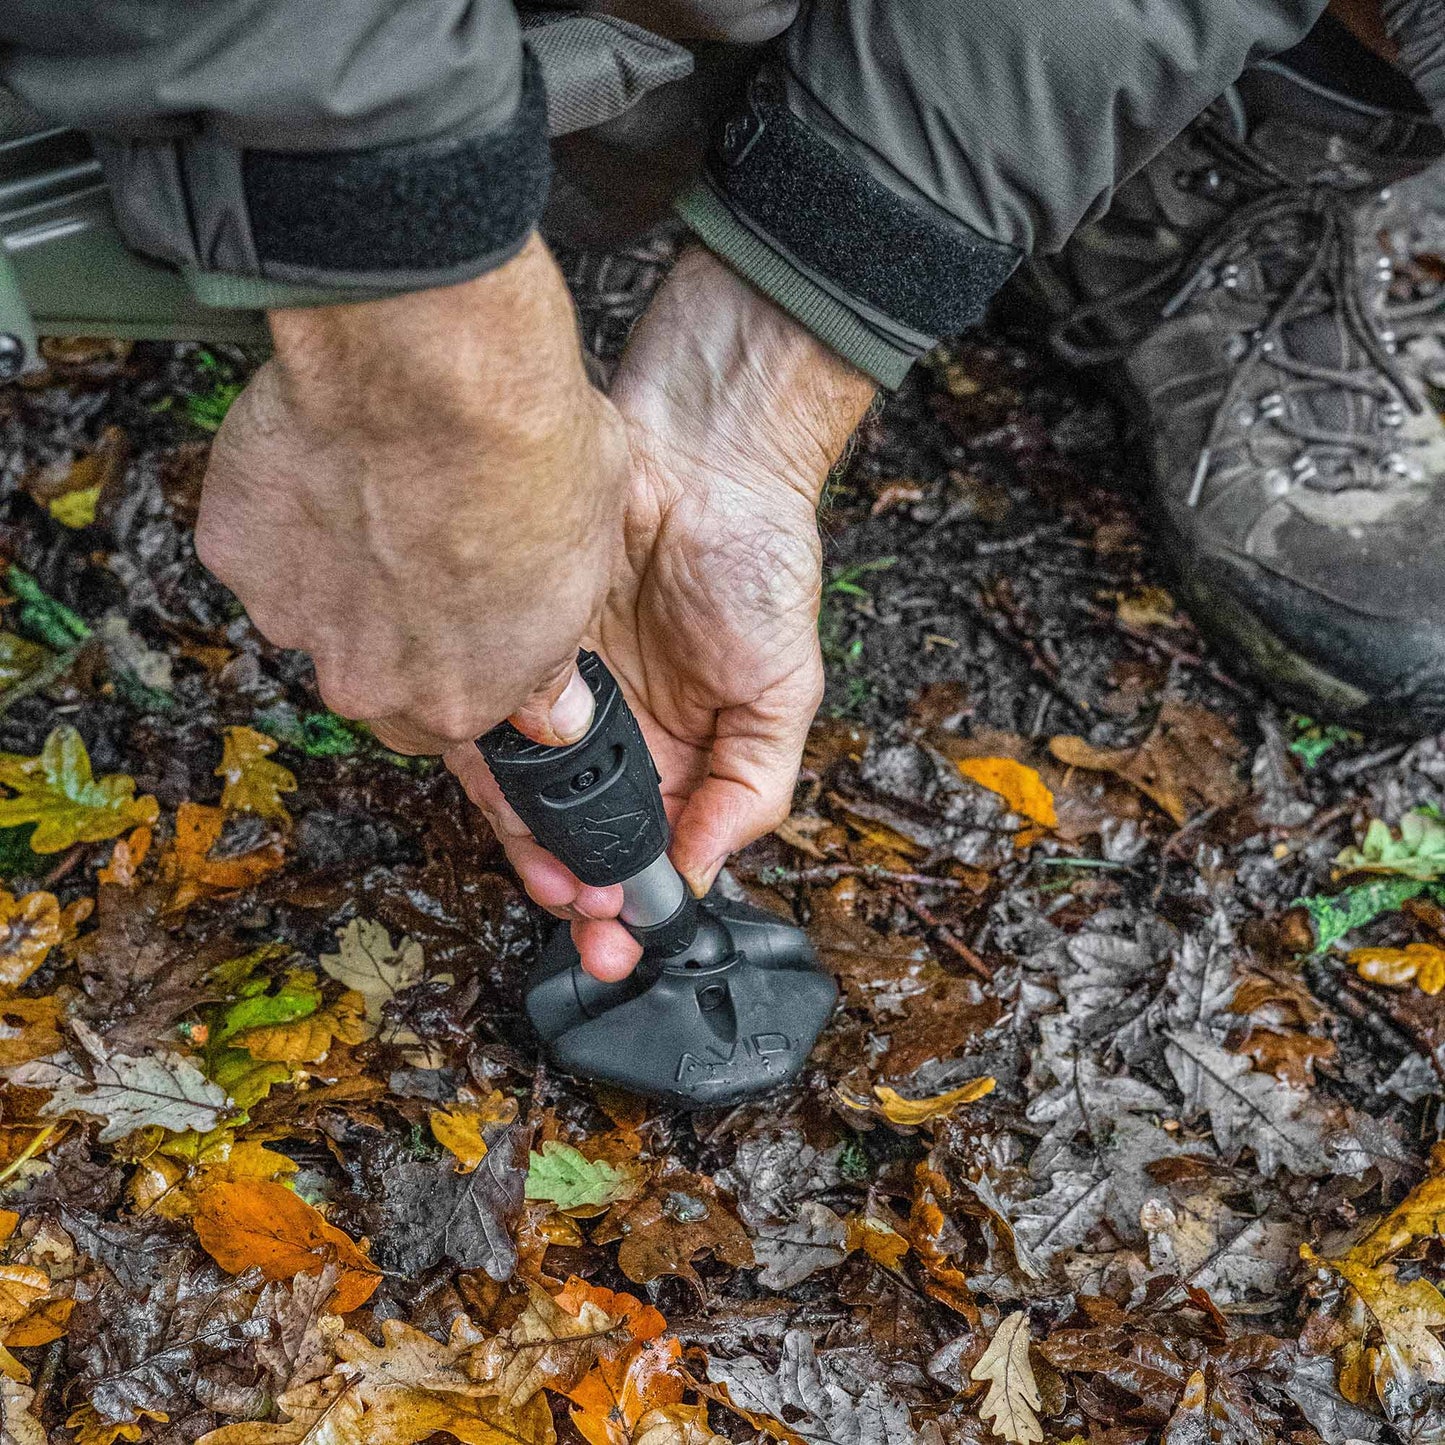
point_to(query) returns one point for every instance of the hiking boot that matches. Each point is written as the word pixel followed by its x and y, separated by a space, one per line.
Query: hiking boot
pixel 1239 292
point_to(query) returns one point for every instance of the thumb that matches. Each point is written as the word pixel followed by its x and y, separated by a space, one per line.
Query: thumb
pixel 558 713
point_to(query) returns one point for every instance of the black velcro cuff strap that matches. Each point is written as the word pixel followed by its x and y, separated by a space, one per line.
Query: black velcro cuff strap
pixel 894 255
pixel 425 213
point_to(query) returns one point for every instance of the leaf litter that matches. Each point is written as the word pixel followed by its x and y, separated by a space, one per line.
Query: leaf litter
pixel 1123 1131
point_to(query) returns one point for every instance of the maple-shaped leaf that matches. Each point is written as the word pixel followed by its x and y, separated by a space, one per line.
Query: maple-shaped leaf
pixel 1012 1398
pixel 197 864
pixel 680 1216
pixel 428 1212
pixel 187 1331
pixel 824 1400
pixel 549 1346
pixel 396 1393
pixel 29 928
pixel 256 1224
pixel 368 963
pixel 563 1176
pixel 58 793
pixel 162 1090
pixel 254 783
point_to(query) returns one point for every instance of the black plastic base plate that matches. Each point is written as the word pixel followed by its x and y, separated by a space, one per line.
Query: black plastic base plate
pixel 731 1018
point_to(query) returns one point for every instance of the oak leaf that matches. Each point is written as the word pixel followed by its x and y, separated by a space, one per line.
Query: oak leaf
pixel 1012 1396
pixel 161 1090
pixel 368 963
pixel 87 1428
pixel 18 1425
pixel 254 783
pixel 193 867
pixel 679 1217
pixel 563 1176
pixel 29 928
pixel 261 1225
pixel 308 1040
pixel 29 1029
pixel 397 1393
pixel 550 1346
pixel 58 793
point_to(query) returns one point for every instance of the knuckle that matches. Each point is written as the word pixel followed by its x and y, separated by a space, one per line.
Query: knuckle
pixel 449 719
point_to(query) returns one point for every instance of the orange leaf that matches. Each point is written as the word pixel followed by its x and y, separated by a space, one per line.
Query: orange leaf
pixel 29 928
pixel 1420 963
pixel 29 1029
pixel 46 1320
pixel 259 1224
pixel 1019 785
pixel 126 857
pixel 619 1391
pixel 187 863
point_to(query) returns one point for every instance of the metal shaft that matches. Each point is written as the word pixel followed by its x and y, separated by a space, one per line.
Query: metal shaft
pixel 654 895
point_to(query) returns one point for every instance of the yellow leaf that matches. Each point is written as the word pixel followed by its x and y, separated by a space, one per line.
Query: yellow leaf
pixel 1018 785
pixel 1147 607
pixel 254 784
pixel 29 928
pixel 1422 964
pixel 308 1040
pixel 877 1239
pixel 29 1029
pixel 896 1109
pixel 255 1224
pixel 19 658
pixel 8 1220
pixel 1013 1393
pixel 90 1429
pixel 551 1346
pixel 58 793
pixel 46 1320
pixel 169 1182
pixel 459 1130
pixel 368 963
pixel 20 1286
pixel 188 866
pixel 76 509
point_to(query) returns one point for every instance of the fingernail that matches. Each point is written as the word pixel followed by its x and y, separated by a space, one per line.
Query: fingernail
pixel 571 714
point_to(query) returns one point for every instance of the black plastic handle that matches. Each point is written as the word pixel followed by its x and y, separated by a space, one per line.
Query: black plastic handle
pixel 594 804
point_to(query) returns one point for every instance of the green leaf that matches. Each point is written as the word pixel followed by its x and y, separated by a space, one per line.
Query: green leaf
pixel 45 619
pixel 1336 915
pixel 1418 852
pixel 562 1176
pixel 19 658
pixel 57 792
pixel 1313 740
pixel 245 1079
pixel 296 997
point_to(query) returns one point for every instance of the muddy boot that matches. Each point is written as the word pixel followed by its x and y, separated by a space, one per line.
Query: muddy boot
pixel 1238 292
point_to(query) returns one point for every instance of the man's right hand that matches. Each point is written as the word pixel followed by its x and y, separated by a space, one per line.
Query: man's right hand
pixel 425 493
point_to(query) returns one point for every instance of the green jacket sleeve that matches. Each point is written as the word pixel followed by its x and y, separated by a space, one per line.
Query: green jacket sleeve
pixel 898 157
pixel 363 145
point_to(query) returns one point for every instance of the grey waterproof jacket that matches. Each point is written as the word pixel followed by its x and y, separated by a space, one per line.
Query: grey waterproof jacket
pixel 877 166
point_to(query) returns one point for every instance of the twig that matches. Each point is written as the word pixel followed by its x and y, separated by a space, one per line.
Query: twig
pixel 64 866
pixel 51 670
pixel 30 1151
pixel 948 938
pixel 1171 650
pixel 1198 821
pixel 832 872
pixel 1353 767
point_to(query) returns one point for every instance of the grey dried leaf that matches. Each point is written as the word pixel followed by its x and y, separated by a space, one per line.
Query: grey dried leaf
pixel 775 1170
pixel 1059 1219
pixel 1311 1385
pixel 1201 976
pixel 1085 1098
pixel 791 1251
pixel 1285 1127
pixel 1207 1244
pixel 428 1212
pixel 837 1405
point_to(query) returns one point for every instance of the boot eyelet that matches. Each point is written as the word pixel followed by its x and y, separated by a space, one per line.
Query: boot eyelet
pixel 1276 479
pixel 1229 277
pixel 1271 405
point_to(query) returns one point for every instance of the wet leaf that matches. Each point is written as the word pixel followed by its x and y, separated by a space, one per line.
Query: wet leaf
pixel 260 1225
pixel 550 1346
pixel 563 1176
pixel 18 1425
pixel 254 783
pixel 369 964
pixel 308 1040
pixel 57 792
pixel 194 866
pixel 1187 763
pixel 29 1029
pixel 679 1217
pixel 460 1130
pixel 162 1090
pixel 1418 852
pixel 910 1113
pixel 792 1251
pixel 1012 1397
pixel 1018 785
pixel 1422 964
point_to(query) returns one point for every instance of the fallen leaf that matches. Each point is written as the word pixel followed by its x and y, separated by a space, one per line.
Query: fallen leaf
pixel 674 1425
pixel 792 1251
pixel 87 1428
pixel 76 509
pixel 18 1425
pixel 1012 1396
pixel 29 928
pixel 1018 785
pixel 254 783
pixel 259 1225
pixel 1422 964
pixel 1418 853
pixel 21 1285
pixel 877 1239
pixel 58 793
pixel 189 866
pixel 679 1217
pixel 125 858
pixel 566 1178
pixel 308 1040
pixel 912 1112
pixel 29 1029
pixel 46 1320
pixel 396 1393
pixel 1186 764
pixel 460 1130
pixel 550 1346
pixel 1147 607
pixel 161 1090
pixel 368 963
pixel 19 658
pixel 171 1180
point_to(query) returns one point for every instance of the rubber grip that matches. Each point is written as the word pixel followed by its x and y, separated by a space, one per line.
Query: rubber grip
pixel 595 804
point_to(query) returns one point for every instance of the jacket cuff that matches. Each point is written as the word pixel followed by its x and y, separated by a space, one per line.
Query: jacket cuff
pixel 874 274
pixel 346 224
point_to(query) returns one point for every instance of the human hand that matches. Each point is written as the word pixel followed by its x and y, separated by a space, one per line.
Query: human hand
pixel 735 416
pixel 425 494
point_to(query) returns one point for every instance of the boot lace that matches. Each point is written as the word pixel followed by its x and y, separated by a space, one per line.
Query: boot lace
pixel 1269 204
